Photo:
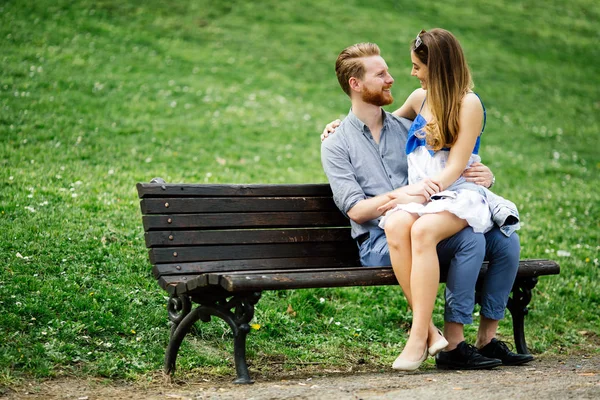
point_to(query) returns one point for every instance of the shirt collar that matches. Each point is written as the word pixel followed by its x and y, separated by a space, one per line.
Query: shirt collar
pixel 358 124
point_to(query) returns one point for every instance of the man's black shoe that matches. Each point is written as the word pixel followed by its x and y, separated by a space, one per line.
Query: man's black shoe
pixel 464 356
pixel 498 349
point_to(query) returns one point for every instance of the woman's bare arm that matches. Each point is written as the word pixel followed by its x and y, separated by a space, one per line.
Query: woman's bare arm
pixel 412 105
pixel 470 120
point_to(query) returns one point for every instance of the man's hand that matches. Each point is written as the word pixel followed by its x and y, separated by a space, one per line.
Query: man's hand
pixel 425 188
pixel 396 198
pixel 390 204
pixel 330 128
pixel 479 174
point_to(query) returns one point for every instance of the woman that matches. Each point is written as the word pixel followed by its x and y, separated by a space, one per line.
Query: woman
pixel 443 141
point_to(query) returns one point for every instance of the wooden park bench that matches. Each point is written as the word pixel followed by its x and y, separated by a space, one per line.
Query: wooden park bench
pixel 220 246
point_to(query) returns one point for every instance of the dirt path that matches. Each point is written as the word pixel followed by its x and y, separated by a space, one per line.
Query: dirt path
pixel 548 377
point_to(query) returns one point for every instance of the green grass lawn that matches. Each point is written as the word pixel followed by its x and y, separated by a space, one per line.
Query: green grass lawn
pixel 96 96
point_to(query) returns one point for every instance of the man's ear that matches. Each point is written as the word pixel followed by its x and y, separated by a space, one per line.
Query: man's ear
pixel 355 84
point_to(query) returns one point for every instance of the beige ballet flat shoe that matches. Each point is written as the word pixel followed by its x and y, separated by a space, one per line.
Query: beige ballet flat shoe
pixel 403 365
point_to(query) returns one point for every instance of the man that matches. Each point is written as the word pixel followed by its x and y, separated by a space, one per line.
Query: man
pixel 365 161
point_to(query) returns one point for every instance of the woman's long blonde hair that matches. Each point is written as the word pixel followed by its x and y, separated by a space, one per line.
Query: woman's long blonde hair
pixel 448 80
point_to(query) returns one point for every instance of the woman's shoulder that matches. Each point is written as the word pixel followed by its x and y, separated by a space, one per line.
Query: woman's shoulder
pixel 418 95
pixel 471 101
pixel 416 99
pixel 471 98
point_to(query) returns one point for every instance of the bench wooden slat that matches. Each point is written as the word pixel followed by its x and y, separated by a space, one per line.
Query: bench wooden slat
pixel 303 280
pixel 282 278
pixel 359 276
pixel 245 265
pixel 236 236
pixel 221 278
pixel 533 268
pixel 237 252
pixel 246 220
pixel 174 205
pixel 177 285
pixel 186 284
pixel 332 276
pixel 146 190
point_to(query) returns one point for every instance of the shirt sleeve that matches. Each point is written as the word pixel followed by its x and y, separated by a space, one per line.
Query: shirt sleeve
pixel 340 173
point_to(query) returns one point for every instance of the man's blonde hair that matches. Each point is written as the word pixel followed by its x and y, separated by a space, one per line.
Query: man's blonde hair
pixel 349 63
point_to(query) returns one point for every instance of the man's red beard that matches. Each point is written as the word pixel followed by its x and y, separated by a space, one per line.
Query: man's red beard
pixel 377 98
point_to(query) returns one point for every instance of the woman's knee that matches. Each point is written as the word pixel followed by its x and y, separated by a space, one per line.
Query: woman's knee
pixel 398 226
pixel 423 235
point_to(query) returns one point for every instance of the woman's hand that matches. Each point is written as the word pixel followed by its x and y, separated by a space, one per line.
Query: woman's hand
pixel 330 128
pixel 425 188
pixel 479 174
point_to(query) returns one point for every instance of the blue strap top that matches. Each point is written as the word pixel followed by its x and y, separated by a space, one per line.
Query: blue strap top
pixel 419 123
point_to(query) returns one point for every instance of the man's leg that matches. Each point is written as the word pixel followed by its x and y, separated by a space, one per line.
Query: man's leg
pixel 463 255
pixel 503 255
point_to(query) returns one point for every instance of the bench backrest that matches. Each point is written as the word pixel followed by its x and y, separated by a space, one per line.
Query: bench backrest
pixel 199 228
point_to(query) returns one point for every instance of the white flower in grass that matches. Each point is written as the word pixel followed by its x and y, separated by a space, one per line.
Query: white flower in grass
pixel 29 208
pixel 19 255
pixel 563 253
pixel 321 300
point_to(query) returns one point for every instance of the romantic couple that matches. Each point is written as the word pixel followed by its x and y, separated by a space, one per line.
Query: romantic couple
pixel 417 197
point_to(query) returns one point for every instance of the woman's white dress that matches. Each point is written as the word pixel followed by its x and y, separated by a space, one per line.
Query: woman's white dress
pixel 462 198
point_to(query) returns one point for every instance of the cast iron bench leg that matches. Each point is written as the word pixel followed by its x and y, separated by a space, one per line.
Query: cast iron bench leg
pixel 237 320
pixel 517 305
pixel 178 307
